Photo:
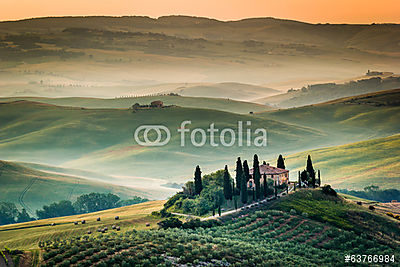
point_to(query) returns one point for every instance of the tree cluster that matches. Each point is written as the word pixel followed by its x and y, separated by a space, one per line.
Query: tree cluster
pixel 85 204
pixel 10 214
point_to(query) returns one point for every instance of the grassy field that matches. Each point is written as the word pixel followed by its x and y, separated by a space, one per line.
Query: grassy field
pixel 349 119
pixel 31 189
pixel 228 105
pixel 27 235
pixel 356 165
pixel 102 139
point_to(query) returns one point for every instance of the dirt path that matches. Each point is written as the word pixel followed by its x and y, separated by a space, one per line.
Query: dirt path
pixel 22 195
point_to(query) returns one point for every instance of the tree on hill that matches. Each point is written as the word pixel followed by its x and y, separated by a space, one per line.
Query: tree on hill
pixel 56 209
pixel 95 202
pixel 246 170
pixel 305 177
pixel 311 171
pixel 188 188
pixel 265 186
pixel 198 185
pixel 227 184
pixel 239 173
pixel 8 213
pixel 23 216
pixel 280 163
pixel 319 178
pixel 243 190
pixel 299 179
pixel 257 176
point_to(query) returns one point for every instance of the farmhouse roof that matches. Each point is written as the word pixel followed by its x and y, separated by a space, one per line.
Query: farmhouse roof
pixel 267 169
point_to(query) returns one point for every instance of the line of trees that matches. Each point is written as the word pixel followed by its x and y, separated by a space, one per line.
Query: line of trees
pixel 207 194
pixel 10 214
pixel 85 204
pixel 308 178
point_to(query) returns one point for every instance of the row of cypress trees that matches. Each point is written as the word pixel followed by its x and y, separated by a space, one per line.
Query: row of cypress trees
pixel 307 178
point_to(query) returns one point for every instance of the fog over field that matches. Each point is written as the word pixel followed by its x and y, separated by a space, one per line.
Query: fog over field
pixel 117 56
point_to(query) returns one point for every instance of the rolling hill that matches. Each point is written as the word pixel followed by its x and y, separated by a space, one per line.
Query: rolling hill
pixel 305 228
pixel 228 105
pixel 101 139
pixel 370 115
pixel 31 189
pixel 110 56
pixel 318 93
pixel 354 166
pixel 227 90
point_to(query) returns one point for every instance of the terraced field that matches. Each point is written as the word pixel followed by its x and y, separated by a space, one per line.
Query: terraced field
pixel 272 236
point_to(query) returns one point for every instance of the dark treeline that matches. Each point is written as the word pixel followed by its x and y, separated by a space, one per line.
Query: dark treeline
pixel 84 204
pixel 374 193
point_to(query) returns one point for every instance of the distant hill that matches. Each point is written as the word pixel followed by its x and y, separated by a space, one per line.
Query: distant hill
pixel 228 105
pixel 31 189
pixel 370 115
pixel 227 90
pixel 318 93
pixel 376 37
pixel 111 56
pixel 354 166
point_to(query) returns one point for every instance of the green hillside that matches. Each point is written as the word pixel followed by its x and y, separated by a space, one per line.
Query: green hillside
pixel 27 235
pixel 102 139
pixel 318 93
pixel 228 105
pixel 306 228
pixel 226 90
pixel 31 189
pixel 354 166
pixel 370 115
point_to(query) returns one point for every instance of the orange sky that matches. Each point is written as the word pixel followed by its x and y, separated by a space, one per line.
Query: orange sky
pixel 333 11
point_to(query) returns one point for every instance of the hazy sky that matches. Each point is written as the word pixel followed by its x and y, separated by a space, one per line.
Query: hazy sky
pixel 333 11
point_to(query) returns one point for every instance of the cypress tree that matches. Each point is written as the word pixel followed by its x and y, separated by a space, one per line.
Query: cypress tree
pixel 243 190
pixel 198 185
pixel 257 176
pixel 319 178
pixel 280 163
pixel 265 186
pixel 227 184
pixel 239 173
pixel 254 195
pixel 219 210
pixel 310 170
pixel 213 212
pixel 305 177
pixel 299 180
pixel 246 170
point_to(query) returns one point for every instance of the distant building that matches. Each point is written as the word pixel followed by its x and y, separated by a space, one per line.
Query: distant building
pixel 280 176
pixel 157 104
pixel 373 73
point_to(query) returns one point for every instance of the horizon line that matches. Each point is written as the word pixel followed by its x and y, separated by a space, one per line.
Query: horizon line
pixel 198 17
